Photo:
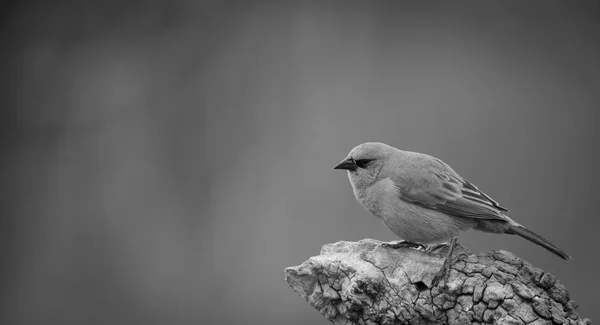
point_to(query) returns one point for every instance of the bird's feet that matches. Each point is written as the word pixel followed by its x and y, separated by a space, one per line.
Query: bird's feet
pixel 442 274
pixel 445 271
pixel 437 248
pixel 403 243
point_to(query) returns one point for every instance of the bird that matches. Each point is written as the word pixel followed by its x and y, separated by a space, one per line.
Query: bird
pixel 422 200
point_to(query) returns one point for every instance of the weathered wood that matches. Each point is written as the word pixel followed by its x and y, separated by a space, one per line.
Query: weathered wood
pixel 366 283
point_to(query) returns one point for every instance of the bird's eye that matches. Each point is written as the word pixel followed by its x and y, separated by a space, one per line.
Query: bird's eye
pixel 362 163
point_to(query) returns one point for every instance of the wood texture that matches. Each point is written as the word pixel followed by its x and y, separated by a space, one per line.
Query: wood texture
pixel 366 283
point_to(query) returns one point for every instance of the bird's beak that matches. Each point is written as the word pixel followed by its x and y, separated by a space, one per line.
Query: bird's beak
pixel 347 163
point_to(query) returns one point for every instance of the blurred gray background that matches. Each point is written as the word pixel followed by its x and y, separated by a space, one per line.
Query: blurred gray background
pixel 164 161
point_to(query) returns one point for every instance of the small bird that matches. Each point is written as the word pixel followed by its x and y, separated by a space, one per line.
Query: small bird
pixel 424 201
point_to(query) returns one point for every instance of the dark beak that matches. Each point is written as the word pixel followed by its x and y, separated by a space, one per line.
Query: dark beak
pixel 347 163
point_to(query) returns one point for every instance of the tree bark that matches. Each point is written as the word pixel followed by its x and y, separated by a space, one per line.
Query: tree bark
pixel 366 283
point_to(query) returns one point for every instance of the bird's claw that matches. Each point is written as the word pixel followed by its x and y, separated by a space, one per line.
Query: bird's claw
pixel 403 243
pixel 436 248
pixel 442 274
pixel 445 270
pixel 437 278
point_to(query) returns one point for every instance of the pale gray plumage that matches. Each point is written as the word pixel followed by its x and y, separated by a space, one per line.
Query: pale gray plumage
pixel 422 200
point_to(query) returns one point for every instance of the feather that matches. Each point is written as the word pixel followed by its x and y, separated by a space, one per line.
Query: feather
pixel 430 183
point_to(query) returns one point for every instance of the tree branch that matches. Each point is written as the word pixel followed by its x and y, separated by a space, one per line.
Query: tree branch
pixel 365 283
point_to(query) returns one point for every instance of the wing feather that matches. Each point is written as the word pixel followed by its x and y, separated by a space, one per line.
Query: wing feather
pixel 430 183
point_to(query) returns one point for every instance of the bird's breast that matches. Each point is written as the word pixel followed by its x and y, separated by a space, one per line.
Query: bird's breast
pixel 377 198
pixel 407 220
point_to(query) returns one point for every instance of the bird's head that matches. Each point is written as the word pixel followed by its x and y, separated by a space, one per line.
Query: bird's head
pixel 365 162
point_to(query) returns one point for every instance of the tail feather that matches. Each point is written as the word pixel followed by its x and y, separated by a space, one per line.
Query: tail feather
pixel 537 239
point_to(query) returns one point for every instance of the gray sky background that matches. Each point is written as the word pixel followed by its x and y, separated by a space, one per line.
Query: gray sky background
pixel 164 161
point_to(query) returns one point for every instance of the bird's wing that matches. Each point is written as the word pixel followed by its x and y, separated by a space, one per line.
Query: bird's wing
pixel 430 183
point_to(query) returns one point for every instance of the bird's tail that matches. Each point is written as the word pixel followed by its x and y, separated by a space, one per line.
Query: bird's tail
pixel 536 239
